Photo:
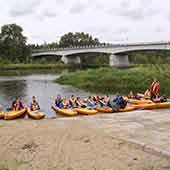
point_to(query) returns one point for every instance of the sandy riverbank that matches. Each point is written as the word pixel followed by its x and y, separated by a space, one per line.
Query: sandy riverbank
pixel 81 143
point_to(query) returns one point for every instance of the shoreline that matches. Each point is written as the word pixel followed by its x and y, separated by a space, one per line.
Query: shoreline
pixel 33 66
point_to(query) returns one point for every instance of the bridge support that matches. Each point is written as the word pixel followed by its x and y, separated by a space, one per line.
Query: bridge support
pixel 119 60
pixel 71 60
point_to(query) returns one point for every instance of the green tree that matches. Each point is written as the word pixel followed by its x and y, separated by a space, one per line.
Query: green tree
pixel 77 39
pixel 13 43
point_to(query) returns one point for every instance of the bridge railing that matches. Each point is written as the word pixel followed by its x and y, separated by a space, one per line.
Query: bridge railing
pixel 104 45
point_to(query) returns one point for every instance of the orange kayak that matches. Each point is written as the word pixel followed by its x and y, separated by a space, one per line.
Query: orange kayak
pixel 127 109
pixel 152 106
pixel 136 102
pixel 105 110
pixel 65 112
pixel 2 115
pixel 37 115
pixel 85 111
pixel 15 114
pixel 109 110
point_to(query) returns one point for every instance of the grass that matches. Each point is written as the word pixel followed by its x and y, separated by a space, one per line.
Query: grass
pixel 114 80
pixel 32 66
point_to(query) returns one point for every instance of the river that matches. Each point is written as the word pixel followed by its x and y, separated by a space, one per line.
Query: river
pixel 34 83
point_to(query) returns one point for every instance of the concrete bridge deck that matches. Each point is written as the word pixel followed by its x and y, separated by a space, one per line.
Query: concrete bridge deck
pixel 118 53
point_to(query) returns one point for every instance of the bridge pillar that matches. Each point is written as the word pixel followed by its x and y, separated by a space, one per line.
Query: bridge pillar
pixel 71 59
pixel 119 60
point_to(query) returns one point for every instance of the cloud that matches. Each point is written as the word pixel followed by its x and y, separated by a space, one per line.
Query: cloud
pixel 46 14
pixel 110 20
pixel 135 10
pixel 78 7
pixel 22 8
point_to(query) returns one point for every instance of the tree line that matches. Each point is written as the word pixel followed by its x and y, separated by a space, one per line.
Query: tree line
pixel 70 40
pixel 14 47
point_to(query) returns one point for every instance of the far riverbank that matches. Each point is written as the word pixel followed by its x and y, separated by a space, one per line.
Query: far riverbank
pixel 22 66
pixel 114 80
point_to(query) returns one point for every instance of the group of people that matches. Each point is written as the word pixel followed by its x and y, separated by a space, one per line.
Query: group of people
pixel 93 102
pixel 17 105
pixel 153 93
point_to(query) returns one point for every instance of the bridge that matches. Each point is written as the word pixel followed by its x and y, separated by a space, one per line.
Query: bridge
pixel 118 52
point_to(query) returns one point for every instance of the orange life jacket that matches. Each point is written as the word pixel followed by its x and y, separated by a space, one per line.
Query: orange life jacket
pixel 155 88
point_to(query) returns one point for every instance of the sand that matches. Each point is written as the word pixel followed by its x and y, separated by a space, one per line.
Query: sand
pixel 70 144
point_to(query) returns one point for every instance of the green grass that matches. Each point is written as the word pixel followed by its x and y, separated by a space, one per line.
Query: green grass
pixel 114 80
pixel 31 66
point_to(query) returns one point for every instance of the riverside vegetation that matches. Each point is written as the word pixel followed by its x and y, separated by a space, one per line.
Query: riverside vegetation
pixel 114 80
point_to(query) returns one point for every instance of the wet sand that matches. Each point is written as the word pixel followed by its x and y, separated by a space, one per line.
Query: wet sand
pixel 100 142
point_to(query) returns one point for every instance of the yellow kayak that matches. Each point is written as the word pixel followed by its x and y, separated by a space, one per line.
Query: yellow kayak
pixel 65 112
pixel 15 114
pixel 110 110
pixel 2 115
pixel 85 111
pixel 136 102
pixel 127 109
pixel 37 115
pixel 152 106
pixel 163 105
pixel 105 110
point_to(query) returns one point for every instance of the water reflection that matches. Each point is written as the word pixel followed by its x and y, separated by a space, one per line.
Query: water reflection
pixel 9 90
pixel 40 85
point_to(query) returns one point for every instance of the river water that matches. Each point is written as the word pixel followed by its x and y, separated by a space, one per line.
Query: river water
pixel 41 85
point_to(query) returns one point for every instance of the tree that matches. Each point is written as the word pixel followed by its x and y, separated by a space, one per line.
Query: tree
pixel 77 39
pixel 13 43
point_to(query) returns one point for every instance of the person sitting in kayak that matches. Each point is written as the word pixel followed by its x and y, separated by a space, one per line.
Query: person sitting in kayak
pixel 17 105
pixel 104 101
pixel 58 103
pixel 90 102
pixel 98 101
pixel 146 95
pixel 131 95
pixel 118 103
pixel 65 103
pixel 79 103
pixel 72 101
pixel 34 104
pixel 155 89
pixel 161 99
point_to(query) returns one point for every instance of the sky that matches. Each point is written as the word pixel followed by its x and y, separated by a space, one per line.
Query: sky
pixel 112 21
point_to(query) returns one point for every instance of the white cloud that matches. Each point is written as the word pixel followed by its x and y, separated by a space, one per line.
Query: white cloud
pixel 22 8
pixel 132 20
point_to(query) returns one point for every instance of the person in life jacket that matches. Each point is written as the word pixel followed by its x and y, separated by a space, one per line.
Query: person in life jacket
pixel 58 103
pixel 146 95
pixel 97 101
pixel 118 103
pixel 17 105
pixel 90 102
pixel 34 104
pixel 65 103
pixel 155 87
pixel 72 101
pixel 79 103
